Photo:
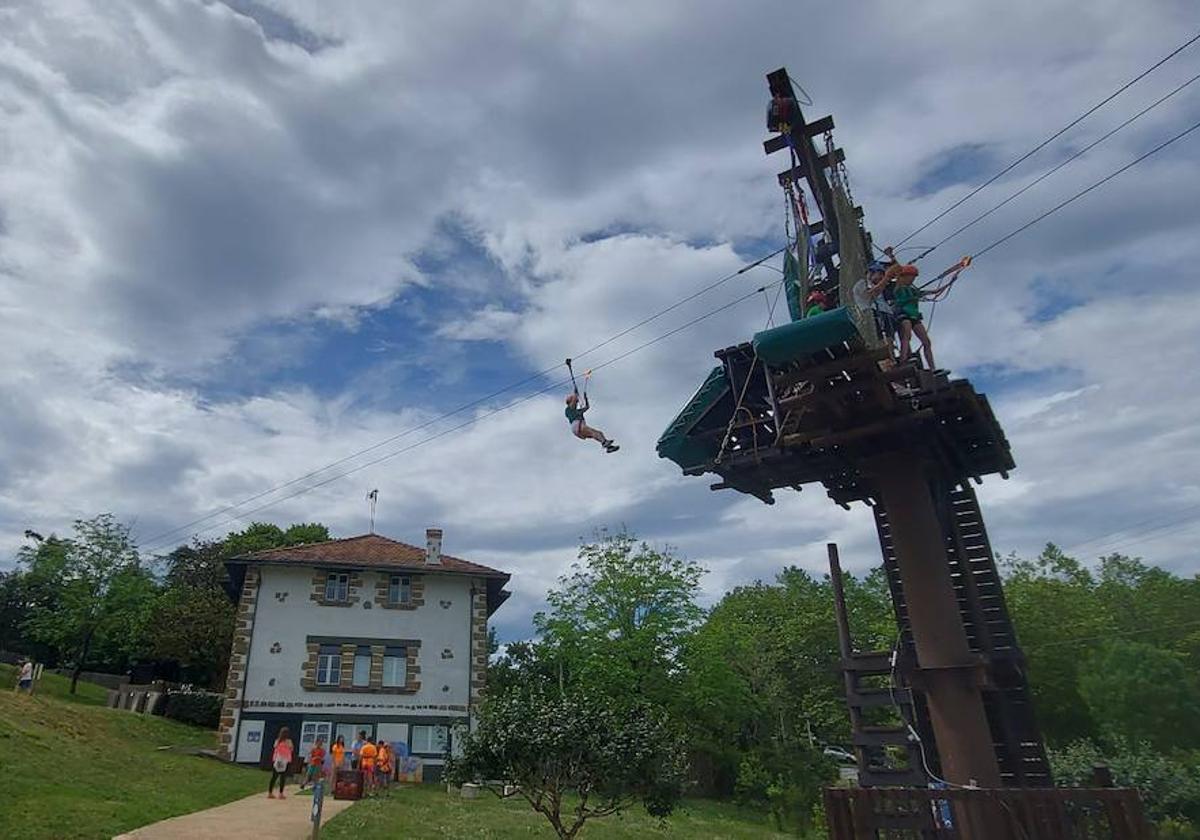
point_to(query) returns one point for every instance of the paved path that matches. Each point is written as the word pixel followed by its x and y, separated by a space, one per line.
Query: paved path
pixel 253 818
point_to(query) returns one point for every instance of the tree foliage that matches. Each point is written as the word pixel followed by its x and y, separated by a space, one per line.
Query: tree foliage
pixel 102 597
pixel 617 621
pixel 574 757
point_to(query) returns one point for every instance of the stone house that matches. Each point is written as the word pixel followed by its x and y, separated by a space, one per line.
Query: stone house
pixel 365 633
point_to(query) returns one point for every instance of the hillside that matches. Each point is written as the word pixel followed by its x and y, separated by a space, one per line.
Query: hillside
pixel 74 769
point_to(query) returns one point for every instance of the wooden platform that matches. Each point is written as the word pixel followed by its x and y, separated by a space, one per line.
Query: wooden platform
pixel 821 418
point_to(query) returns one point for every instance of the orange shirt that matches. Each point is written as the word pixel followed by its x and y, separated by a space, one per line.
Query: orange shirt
pixel 338 752
pixel 366 756
pixel 316 755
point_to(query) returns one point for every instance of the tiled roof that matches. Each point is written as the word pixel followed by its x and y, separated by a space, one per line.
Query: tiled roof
pixel 367 551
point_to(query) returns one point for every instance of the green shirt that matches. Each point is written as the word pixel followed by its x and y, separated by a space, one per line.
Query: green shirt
pixel 574 413
pixel 906 300
pixel 815 309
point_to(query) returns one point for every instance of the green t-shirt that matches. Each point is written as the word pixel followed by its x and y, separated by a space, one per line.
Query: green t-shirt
pixel 574 413
pixel 815 309
pixel 906 300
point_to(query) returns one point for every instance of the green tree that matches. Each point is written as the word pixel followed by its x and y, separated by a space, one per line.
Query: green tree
pixel 103 596
pixel 573 757
pixel 618 620
pixel 1140 692
pixel 259 536
pixel 195 616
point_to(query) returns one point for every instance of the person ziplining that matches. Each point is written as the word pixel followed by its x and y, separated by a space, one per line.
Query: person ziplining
pixel 575 413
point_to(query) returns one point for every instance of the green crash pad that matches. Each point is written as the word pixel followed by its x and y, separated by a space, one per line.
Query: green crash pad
pixel 805 337
pixel 675 443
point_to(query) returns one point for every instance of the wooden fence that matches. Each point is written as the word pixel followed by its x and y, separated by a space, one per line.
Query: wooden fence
pixel 970 814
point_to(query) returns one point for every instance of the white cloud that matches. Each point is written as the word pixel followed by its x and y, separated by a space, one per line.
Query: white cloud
pixel 172 182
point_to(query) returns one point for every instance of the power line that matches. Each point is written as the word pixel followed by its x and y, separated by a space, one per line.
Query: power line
pixel 1086 190
pixel 1115 633
pixel 1050 172
pixel 487 397
pixel 558 384
pixel 1055 135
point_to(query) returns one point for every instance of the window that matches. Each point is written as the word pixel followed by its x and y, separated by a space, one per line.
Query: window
pixel 349 732
pixel 329 664
pixel 399 590
pixel 395 670
pixel 430 739
pixel 337 587
pixel 362 666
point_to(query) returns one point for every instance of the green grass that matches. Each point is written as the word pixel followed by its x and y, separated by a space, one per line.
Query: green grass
pixel 60 687
pixel 426 811
pixel 73 769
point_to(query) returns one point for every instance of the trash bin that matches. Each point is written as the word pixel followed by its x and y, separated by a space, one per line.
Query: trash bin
pixel 348 784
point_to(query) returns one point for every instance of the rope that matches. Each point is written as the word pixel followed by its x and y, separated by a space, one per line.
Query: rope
pixel 1056 135
pixel 737 408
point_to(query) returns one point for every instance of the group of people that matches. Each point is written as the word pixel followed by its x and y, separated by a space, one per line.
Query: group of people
pixel 376 760
pixel 889 290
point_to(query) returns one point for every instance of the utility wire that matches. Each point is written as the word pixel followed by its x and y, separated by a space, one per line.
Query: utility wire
pixel 1106 636
pixel 745 268
pixel 557 384
pixel 1085 191
pixel 1050 172
pixel 487 397
pixel 1055 135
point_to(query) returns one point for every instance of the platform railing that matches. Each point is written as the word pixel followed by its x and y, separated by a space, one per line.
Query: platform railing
pixel 1020 813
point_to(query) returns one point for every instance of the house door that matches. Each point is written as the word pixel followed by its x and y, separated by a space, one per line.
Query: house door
pixel 272 732
pixel 250 742
pixel 310 731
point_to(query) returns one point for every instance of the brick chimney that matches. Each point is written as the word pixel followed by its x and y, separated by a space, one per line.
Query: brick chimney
pixel 433 546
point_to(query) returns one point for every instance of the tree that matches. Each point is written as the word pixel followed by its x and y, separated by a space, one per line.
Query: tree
pixel 259 536
pixel 103 594
pixel 762 694
pixel 618 620
pixel 1139 692
pixel 573 757
pixel 195 617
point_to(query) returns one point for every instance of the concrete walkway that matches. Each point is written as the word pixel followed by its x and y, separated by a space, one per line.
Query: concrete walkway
pixel 253 818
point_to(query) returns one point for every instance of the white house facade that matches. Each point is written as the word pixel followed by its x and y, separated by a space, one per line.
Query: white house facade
pixel 365 633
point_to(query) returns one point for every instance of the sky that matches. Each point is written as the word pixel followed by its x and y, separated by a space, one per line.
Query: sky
pixel 242 241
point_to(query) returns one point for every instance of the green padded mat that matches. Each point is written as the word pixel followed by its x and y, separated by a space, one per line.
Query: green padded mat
pixel 675 444
pixel 802 338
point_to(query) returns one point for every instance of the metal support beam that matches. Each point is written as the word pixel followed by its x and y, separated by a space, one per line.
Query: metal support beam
pixel 948 672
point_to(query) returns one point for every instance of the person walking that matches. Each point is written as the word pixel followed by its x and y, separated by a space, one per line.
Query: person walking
pixel 25 677
pixel 281 760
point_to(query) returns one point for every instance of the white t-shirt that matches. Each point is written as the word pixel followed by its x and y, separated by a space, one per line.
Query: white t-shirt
pixel 26 672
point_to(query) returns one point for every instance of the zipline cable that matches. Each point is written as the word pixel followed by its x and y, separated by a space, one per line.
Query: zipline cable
pixel 1086 190
pixel 554 385
pixel 411 430
pixel 1055 136
pixel 1050 172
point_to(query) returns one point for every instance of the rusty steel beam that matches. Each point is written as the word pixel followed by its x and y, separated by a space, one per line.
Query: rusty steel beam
pixel 947 671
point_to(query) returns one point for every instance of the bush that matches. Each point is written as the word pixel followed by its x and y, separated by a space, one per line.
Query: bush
pixel 1170 785
pixel 605 755
pixel 196 707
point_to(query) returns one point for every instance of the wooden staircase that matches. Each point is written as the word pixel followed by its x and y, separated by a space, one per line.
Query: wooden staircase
pixel 1020 751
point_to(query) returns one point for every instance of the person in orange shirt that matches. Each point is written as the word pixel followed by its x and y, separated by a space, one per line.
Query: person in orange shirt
pixel 366 763
pixel 316 757
pixel 385 763
pixel 339 753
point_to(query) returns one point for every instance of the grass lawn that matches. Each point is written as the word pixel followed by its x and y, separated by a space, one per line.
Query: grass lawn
pixel 74 769
pixel 427 811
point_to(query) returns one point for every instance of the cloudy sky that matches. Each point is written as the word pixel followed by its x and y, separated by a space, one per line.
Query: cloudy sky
pixel 241 241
